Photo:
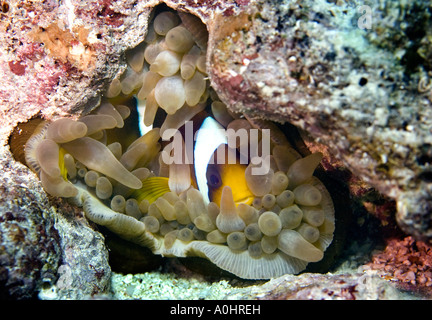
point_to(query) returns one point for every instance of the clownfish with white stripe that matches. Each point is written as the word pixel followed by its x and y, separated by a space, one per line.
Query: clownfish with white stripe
pixel 212 167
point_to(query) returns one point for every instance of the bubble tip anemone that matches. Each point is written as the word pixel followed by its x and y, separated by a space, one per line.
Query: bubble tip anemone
pixel 167 213
pixel 228 219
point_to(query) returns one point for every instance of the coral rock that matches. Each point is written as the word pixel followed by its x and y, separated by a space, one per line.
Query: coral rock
pixel 30 245
pixel 353 90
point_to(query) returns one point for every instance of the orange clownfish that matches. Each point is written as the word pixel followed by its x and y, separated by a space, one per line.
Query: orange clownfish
pixel 213 172
pixel 211 168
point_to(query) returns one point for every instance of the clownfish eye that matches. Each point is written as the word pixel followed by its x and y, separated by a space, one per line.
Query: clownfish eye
pixel 213 177
pixel 214 180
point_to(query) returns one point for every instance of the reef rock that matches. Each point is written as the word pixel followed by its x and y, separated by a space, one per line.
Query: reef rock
pixel 367 286
pixel 29 248
pixel 45 245
pixel 84 270
pixel 362 90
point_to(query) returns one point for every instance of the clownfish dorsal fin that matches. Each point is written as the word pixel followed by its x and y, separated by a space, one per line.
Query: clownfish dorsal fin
pixel 207 139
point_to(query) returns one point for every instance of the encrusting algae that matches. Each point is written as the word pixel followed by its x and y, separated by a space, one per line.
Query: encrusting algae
pixel 256 215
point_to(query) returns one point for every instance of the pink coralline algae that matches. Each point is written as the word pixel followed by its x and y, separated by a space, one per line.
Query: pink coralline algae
pixel 17 67
pixel 406 261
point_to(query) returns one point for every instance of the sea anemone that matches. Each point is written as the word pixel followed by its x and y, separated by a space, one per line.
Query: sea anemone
pixel 256 226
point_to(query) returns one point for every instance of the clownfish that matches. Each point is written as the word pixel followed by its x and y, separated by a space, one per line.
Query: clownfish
pixel 211 177
pixel 209 174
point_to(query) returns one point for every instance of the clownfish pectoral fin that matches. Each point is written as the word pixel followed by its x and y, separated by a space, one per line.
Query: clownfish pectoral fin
pixel 208 138
pixel 243 196
pixel 152 188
